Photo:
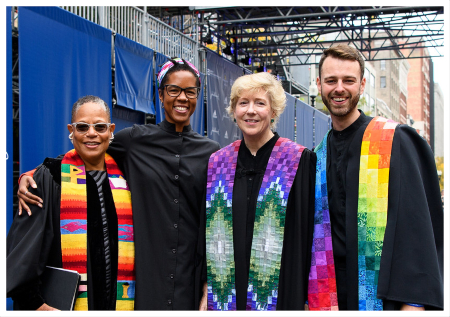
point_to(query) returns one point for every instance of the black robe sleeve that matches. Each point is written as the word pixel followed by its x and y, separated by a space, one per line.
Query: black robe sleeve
pixel 411 268
pixel 31 245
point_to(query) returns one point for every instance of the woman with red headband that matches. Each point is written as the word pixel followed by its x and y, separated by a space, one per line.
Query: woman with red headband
pixel 165 166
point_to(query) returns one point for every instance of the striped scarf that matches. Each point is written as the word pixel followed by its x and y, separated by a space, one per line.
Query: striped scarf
pixel 268 233
pixel 372 218
pixel 73 215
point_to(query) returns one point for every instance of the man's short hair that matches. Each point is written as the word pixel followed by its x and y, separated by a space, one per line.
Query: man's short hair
pixel 342 51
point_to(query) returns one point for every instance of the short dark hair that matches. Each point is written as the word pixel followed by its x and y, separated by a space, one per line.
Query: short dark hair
pixel 176 68
pixel 342 51
pixel 93 99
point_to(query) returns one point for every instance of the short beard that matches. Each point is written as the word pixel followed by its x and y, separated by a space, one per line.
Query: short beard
pixel 353 103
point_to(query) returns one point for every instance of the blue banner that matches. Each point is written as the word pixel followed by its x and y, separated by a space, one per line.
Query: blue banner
pixel 62 57
pixel 124 117
pixel 305 119
pixel 134 75
pixel 221 75
pixel 9 124
pixel 198 117
pixel 321 126
pixel 160 59
pixel 286 124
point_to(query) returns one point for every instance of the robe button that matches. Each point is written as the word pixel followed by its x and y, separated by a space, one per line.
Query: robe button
pixel 174 251
pixel 175 201
pixel 178 155
pixel 176 176
pixel 169 302
pixel 175 225
pixel 171 276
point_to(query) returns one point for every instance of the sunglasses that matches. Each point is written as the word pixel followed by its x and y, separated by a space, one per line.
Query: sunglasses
pixel 83 127
pixel 175 91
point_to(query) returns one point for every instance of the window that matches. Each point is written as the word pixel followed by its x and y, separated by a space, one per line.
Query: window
pixel 383 65
pixel 383 82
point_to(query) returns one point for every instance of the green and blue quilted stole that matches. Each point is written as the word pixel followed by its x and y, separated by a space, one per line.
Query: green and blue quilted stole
pixel 374 167
pixel 268 233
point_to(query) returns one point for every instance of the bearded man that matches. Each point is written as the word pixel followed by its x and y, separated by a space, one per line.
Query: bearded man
pixel 378 225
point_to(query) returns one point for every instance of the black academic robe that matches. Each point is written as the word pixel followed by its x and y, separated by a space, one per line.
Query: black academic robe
pixel 35 242
pixel 166 173
pixel 411 268
pixel 296 253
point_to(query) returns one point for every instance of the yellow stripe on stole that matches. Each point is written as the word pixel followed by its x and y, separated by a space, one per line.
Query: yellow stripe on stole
pixel 383 175
pixel 71 240
pixel 74 189
pixel 81 304
pixel 365 147
pixel 121 195
pixel 125 305
pixel 126 249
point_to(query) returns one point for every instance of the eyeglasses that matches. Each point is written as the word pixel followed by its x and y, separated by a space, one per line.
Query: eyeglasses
pixel 83 127
pixel 175 91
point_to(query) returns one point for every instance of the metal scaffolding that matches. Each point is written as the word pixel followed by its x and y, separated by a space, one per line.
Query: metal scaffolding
pixel 293 32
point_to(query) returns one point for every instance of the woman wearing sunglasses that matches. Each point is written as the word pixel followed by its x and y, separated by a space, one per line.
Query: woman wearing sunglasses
pixel 85 224
pixel 165 166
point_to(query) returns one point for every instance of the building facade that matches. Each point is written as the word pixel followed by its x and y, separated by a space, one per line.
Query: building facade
pixel 418 103
pixel 388 84
pixel 438 121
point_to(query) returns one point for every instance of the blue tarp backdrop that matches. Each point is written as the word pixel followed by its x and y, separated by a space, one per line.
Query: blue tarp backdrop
pixel 221 76
pixel 285 126
pixel 62 57
pixel 134 75
pixel 321 125
pixel 9 123
pixel 198 117
pixel 160 59
pixel 305 117
pixel 124 117
pixel 9 134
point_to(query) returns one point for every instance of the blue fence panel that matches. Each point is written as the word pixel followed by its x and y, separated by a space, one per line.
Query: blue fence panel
pixel 286 124
pixel 322 125
pixel 9 123
pixel 62 57
pixel 134 75
pixel 124 117
pixel 160 59
pixel 198 117
pixel 305 117
pixel 9 133
pixel 221 75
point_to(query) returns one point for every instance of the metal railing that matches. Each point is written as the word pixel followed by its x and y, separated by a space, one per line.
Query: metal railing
pixel 142 28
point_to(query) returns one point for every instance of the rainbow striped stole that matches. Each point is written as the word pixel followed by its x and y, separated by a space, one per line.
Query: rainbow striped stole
pixel 322 293
pixel 73 222
pixel 268 233
pixel 374 165
pixel 375 157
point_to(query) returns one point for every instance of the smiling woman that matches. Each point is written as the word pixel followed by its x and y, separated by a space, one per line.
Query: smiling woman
pixel 259 208
pixel 85 208
pixel 179 85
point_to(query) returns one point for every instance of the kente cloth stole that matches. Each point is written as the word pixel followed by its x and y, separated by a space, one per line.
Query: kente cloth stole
pixel 268 233
pixel 73 224
pixel 375 157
